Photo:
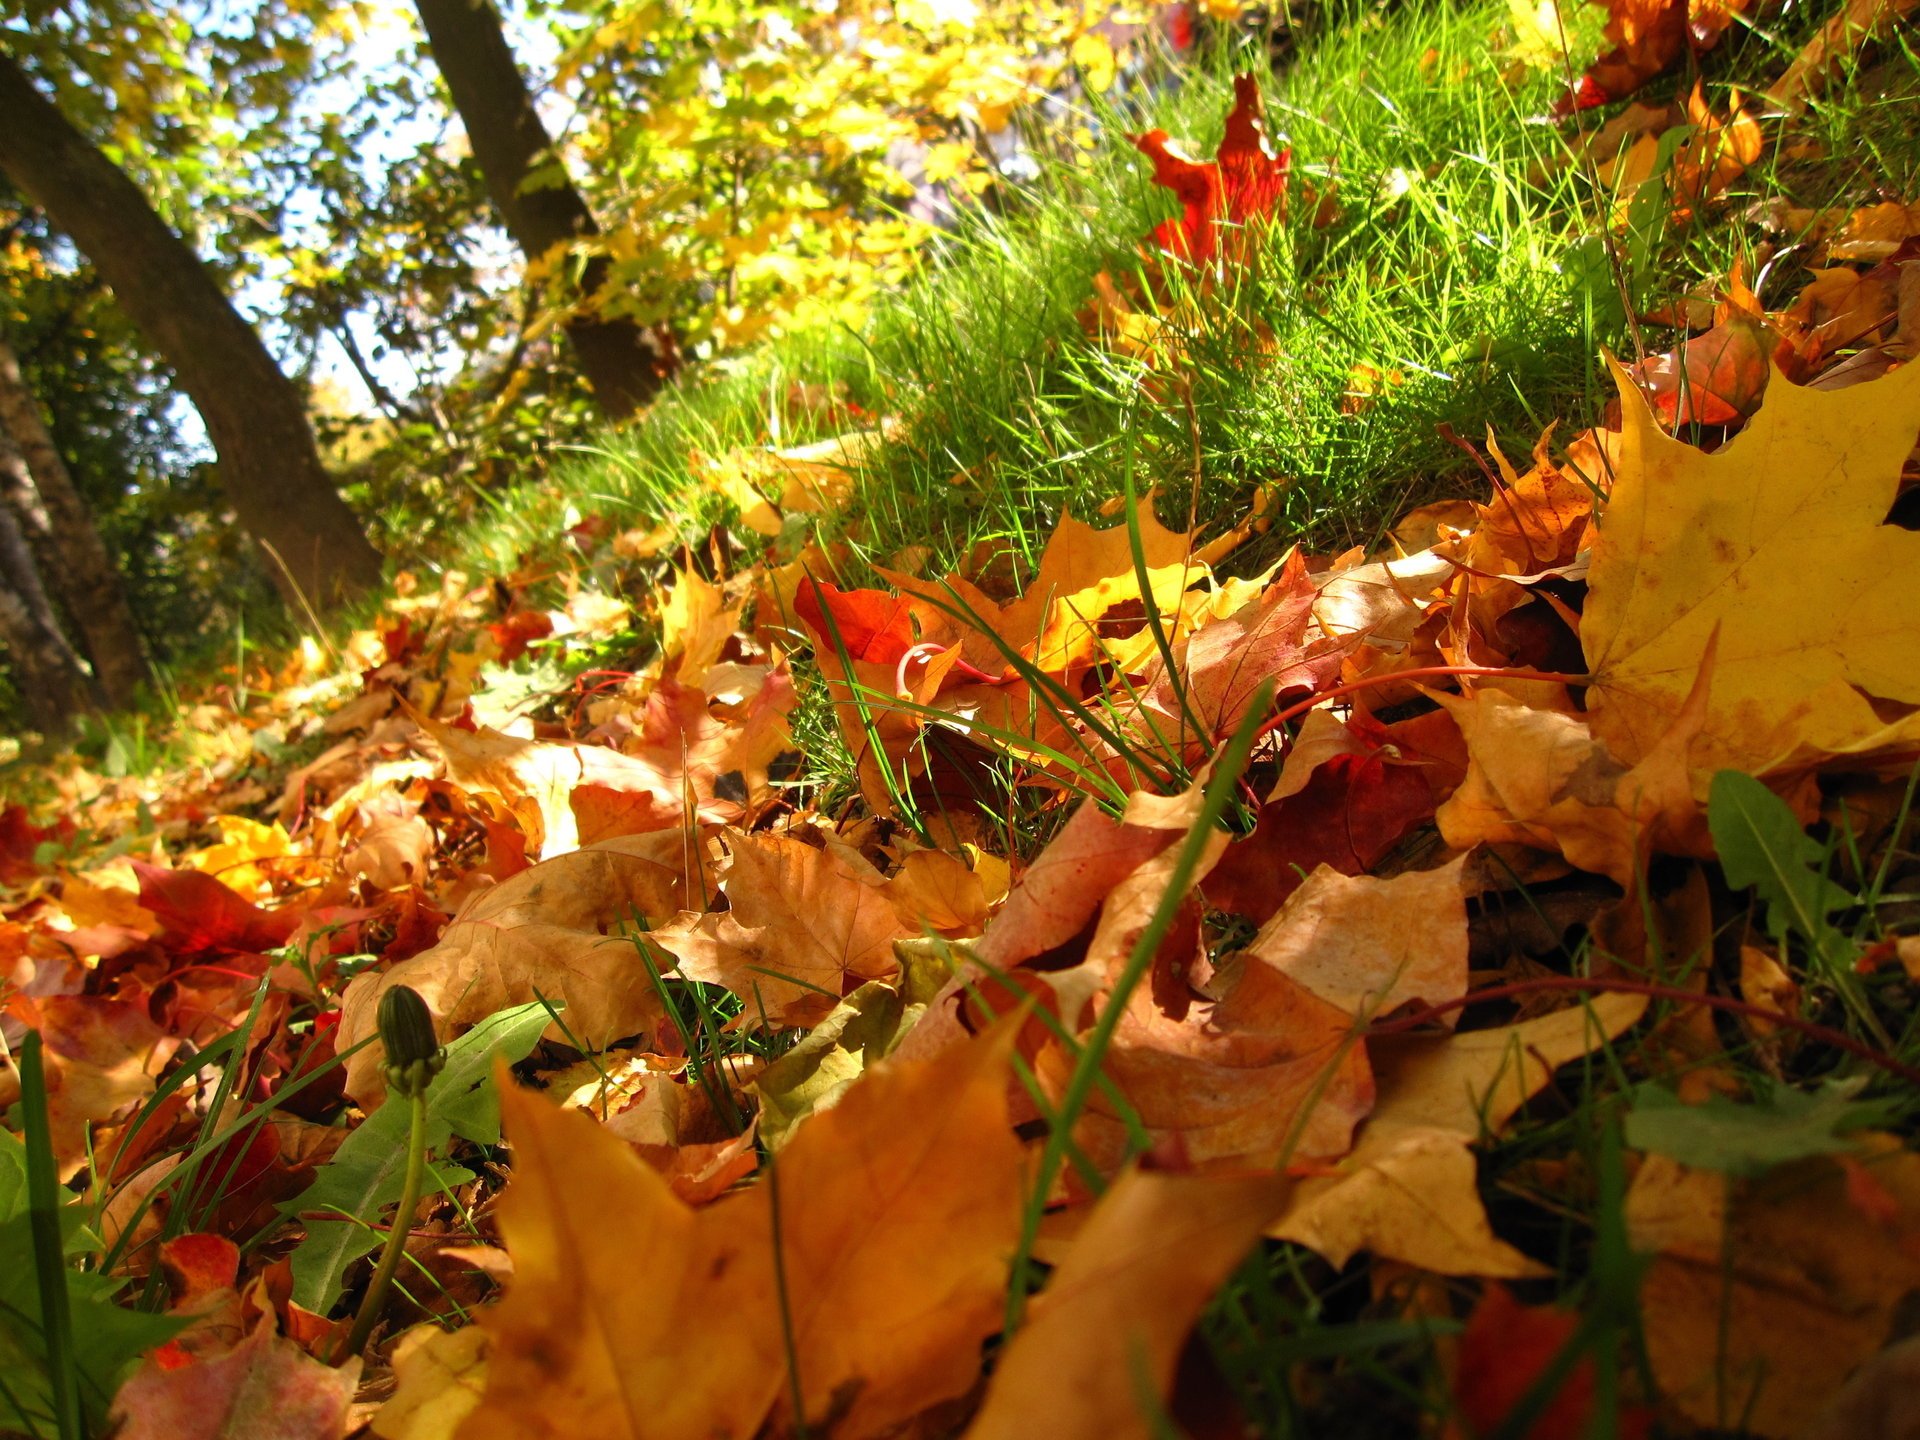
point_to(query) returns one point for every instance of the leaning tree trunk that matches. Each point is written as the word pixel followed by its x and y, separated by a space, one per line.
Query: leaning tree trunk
pixel 63 534
pixel 53 688
pixel 270 467
pixel 508 142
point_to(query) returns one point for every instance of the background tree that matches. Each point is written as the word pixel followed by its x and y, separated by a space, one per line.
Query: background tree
pixel 53 687
pixel 256 418
pixel 61 529
pixel 537 201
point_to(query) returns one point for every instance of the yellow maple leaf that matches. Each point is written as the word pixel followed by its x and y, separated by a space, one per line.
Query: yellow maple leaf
pixel 1777 542
pixel 631 1314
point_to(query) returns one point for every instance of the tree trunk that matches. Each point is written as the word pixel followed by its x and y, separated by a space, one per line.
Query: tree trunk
pixel 270 467
pixel 508 142
pixel 68 543
pixel 46 672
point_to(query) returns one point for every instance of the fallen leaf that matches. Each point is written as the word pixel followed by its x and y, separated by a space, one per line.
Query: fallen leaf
pixel 1224 200
pixel 1761 1298
pixel 1539 778
pixel 1103 1338
pixel 442 1375
pixel 101 1058
pixel 1777 542
pixel 1505 1349
pixel 553 928
pixel 898 1209
pixel 1369 945
pixel 804 930
pixel 1409 1194
pixel 264 1387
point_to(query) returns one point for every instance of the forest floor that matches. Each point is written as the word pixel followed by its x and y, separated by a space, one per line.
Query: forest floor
pixel 1285 811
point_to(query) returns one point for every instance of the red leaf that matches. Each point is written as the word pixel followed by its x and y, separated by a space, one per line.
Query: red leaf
pixel 1350 813
pixel 198 1265
pixel 1506 1347
pixel 200 913
pixel 1242 184
pixel 874 625
pixel 20 838
pixel 1716 378
pixel 519 630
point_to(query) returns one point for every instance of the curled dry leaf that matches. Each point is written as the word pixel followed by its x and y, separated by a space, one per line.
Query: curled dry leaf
pixel 554 928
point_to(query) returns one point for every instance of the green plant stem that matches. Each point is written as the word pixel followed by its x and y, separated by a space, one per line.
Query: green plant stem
pixel 49 1265
pixel 376 1297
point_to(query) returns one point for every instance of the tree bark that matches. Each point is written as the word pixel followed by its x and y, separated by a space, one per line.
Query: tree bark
pixel 68 542
pixel 508 141
pixel 270 467
pixel 46 671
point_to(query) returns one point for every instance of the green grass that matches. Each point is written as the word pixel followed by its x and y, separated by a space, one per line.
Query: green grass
pixel 1468 258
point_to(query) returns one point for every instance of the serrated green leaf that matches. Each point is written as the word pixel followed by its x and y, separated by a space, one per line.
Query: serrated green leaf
pixel 1733 1138
pixel 368 1170
pixel 1762 847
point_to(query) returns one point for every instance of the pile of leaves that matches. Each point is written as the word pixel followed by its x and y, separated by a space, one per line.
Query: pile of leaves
pixel 1469 980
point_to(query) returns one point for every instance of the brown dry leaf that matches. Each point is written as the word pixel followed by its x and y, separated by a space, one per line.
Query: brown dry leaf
pixel 1777 542
pixel 1539 519
pixel 1116 1312
pixel 1539 778
pixel 1370 945
pixel 1860 23
pixel 898 1209
pixel 538 778
pixel 394 850
pixel 806 929
pixel 1765 1294
pixel 552 928
pixel 1265 1071
pixel 1062 890
pixel 1406 1194
pixel 1473 1083
pixel 101 1058
pixel 1410 1192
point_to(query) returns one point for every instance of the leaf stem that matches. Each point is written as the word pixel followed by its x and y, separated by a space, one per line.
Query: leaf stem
pixel 1423 672
pixel 375 1299
pixel 1825 1034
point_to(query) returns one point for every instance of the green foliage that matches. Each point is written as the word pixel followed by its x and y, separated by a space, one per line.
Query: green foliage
pixel 1749 1139
pixel 1761 845
pixel 366 1173
pixel 106 1338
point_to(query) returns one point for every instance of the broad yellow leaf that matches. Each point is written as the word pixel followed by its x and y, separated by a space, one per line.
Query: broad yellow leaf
pixel 630 1314
pixel 1777 542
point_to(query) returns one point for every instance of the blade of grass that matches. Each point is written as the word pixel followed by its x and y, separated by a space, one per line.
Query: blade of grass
pixel 1219 794
pixel 49 1261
